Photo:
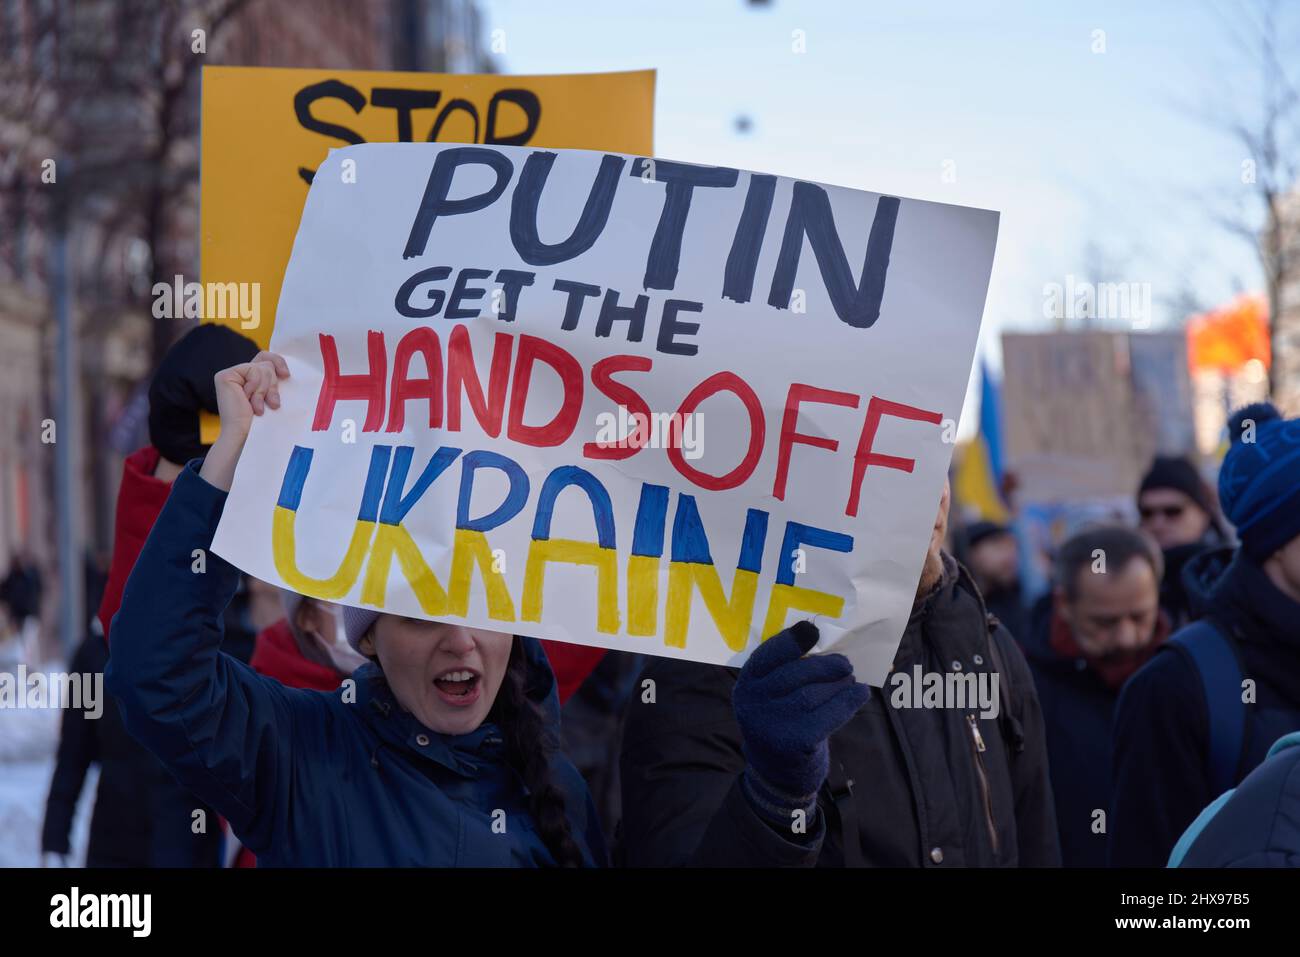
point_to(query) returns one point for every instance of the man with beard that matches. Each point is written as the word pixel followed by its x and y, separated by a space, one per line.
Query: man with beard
pixel 1176 508
pixel 790 762
pixel 1102 622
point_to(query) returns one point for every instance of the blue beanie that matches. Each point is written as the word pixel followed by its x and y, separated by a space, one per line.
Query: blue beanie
pixel 1259 482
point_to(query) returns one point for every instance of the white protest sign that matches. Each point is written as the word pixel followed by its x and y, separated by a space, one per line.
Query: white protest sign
pixel 631 403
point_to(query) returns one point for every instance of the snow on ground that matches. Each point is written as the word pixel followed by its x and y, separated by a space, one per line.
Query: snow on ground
pixel 29 739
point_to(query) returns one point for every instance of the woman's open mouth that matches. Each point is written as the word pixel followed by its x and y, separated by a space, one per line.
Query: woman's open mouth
pixel 459 687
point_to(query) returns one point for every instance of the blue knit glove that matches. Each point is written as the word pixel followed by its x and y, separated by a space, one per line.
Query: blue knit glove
pixel 787 707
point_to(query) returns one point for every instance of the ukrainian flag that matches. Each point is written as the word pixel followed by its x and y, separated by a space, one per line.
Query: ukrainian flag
pixel 978 481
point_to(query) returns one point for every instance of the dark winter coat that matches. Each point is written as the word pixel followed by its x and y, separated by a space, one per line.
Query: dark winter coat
pixel 1077 711
pixel 907 787
pixel 1175 599
pixel 312 778
pixel 142 817
pixel 20 591
pixel 1007 606
pixel 1162 776
pixel 120 824
pixel 1258 824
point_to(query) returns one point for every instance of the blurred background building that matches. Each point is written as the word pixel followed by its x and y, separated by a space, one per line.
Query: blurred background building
pixel 99 127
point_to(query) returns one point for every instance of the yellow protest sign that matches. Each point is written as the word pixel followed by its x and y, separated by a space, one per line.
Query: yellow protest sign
pixel 265 131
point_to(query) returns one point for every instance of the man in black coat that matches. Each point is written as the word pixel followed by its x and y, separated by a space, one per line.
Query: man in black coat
pixel 123 819
pixel 992 555
pixel 1176 508
pixel 1101 623
pixel 790 763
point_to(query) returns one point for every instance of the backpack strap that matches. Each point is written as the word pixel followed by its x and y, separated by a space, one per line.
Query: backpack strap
pixel 1214 655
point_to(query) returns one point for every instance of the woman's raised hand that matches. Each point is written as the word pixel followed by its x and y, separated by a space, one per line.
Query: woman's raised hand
pixel 243 391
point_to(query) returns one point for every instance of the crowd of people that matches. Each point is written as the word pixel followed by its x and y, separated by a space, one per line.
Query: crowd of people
pixel 1166 658
pixel 1148 704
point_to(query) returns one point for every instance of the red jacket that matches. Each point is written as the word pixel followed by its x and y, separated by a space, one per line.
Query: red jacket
pixel 571 664
pixel 139 500
pixel 277 656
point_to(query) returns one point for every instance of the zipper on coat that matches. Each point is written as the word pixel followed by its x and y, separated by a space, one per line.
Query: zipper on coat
pixel 978 740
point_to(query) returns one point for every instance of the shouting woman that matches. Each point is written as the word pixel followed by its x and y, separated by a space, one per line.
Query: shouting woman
pixel 441 751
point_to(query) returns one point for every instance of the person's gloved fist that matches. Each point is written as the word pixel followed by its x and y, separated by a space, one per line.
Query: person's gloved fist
pixel 788 705
pixel 183 386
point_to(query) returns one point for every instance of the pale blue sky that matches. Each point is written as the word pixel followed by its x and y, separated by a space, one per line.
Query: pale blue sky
pixel 1070 145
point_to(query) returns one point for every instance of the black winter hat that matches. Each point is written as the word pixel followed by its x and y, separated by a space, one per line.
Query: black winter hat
pixel 1177 473
pixel 183 386
pixel 977 532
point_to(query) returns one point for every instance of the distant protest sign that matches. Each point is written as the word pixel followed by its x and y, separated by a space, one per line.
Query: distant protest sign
pixel 266 129
pixel 631 403
pixel 1086 411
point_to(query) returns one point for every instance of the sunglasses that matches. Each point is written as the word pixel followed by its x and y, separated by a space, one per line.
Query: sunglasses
pixel 1168 511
